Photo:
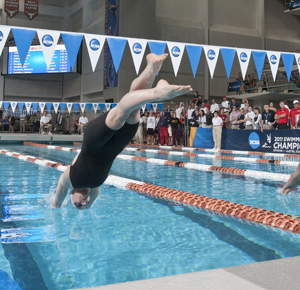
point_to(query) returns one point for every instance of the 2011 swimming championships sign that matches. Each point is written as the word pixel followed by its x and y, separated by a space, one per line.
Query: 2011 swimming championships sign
pixel 234 86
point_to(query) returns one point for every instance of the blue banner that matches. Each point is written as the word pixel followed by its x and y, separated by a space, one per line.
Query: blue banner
pixel 149 107
pixel 101 106
pixel 62 106
pixel 6 105
pixel 160 105
pixel 49 106
pixel 294 5
pixel 157 47
pixel 89 106
pixel 288 60
pixel 21 105
pixel 116 47
pixel 259 59
pixel 228 58
pixel 35 106
pixel 194 53
pixel 76 105
pixel 72 43
pixel 234 86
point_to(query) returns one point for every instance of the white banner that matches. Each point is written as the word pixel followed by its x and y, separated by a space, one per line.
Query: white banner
pixel 211 54
pixel 154 107
pixel 48 40
pixel 82 107
pixel 95 106
pixel 244 58
pixel 107 106
pixel 42 106
pixel 0 105
pixel 4 32
pixel 176 50
pixel 13 106
pixel 137 49
pixel 28 107
pixel 143 108
pixel 274 59
pixel 55 106
pixel 94 44
pixel 69 106
pixel 297 57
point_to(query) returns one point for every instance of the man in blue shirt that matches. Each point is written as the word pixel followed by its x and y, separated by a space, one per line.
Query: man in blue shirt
pixel 234 103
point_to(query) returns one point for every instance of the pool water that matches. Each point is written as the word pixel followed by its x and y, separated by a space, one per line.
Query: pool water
pixel 127 236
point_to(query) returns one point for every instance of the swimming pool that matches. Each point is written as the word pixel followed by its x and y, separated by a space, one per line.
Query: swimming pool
pixel 127 236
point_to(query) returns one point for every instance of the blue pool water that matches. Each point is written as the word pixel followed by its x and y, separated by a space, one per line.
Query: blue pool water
pixel 127 236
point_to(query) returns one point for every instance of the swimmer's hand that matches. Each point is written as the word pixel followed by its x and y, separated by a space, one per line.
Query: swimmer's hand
pixel 293 181
pixel 55 205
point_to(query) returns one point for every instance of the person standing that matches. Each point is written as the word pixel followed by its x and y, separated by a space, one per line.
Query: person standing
pixel 139 133
pixel 145 118
pixel 202 119
pixel 223 116
pixel 272 108
pixel 209 117
pixel 168 112
pixel 178 111
pixel 225 104
pixel 268 121
pixel 234 103
pixel 190 112
pixel 234 115
pixel 282 116
pixel 241 119
pixel 83 122
pixel 214 106
pixel 249 119
pixel 22 121
pixel 257 119
pixel 12 122
pixel 150 128
pixel 174 123
pixel 294 115
pixel 37 122
pixel 163 123
pixel 217 130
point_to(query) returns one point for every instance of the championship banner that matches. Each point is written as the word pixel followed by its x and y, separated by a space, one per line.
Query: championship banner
pixel 82 107
pixel 160 106
pixel 89 107
pixel 176 50
pixel 55 106
pixel 211 54
pixel 143 108
pixel 13 106
pixel 42 107
pixel 11 7
pixel 49 106
pixel 228 55
pixel 288 61
pixel 137 49
pixel 244 58
pixel 6 105
pixel 75 106
pixel 149 107
pixel 194 53
pixel 157 47
pixel 31 8
pixel 297 58
pixel 94 44
pixel 72 43
pixel 35 106
pixel 27 106
pixel 4 32
pixel 62 107
pixel 259 60
pixel 101 107
pixel 0 105
pixel 154 107
pixel 113 105
pixel 20 105
pixel 107 106
pixel 69 106
pixel 95 106
pixel 117 47
pixel 234 86
pixel 274 58
pixel 48 40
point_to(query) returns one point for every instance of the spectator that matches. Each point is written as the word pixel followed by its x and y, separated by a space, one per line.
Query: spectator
pixel 37 122
pixel 190 112
pixel 12 122
pixel 163 123
pixel 268 120
pixel 272 108
pixel 214 106
pixel 286 105
pixel 31 122
pixel 157 128
pixel 282 116
pixel 203 108
pixel 145 118
pixel 174 123
pixel 217 130
pixel 241 119
pixel 182 129
pixel 22 121
pixel 245 104
pixel 202 123
pixel 249 119
pixel 139 132
pixel 223 117
pixel 206 104
pixel 6 124
pixel 226 105
pixel 196 118
pixel 193 106
pixel 50 117
pixel 83 122
pixel 178 111
pixel 234 103
pixel 294 115
pixel 257 119
pixel 238 77
pixel 168 112
pixel 45 122
pixel 234 117
pixel 197 98
pixel 76 126
pixel 150 128
pixel 209 117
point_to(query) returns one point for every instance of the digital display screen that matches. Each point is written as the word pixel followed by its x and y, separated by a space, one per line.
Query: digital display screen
pixel 35 62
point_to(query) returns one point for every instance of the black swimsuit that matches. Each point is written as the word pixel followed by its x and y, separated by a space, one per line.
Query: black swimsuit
pixel 100 147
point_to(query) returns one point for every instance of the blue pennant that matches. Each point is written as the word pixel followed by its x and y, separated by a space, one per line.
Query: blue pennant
pixel 116 46
pixel 63 106
pixel 23 40
pixel 228 58
pixel 288 60
pixel 101 106
pixel 259 59
pixel 160 105
pixel 149 107
pixel 6 105
pixel 76 105
pixel 35 106
pixel 157 47
pixel 72 43
pixel 21 105
pixel 49 106
pixel 113 105
pixel 194 53
pixel 89 106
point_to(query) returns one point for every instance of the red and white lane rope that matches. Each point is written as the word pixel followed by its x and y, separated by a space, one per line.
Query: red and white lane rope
pixel 194 166
pixel 212 205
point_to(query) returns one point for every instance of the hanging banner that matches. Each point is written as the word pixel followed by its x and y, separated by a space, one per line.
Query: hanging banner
pixel 137 49
pixel 75 106
pixel 31 8
pixel 274 58
pixel 149 107
pixel 42 107
pixel 194 53
pixel 259 60
pixel 160 107
pixel 211 54
pixel 95 106
pixel 154 107
pixel 234 86
pixel 297 58
pixel 69 106
pixel 4 32
pixel 116 46
pixel 11 7
pixel 82 107
pixel 101 107
pixel 228 55
pixel 244 59
pixel 62 107
pixel 288 61
pixel 89 107
pixel 13 106
pixel 20 105
pixel 113 105
pixel 72 43
pixel 94 44
pixel 6 105
pixel 0 105
pixel 55 106
pixel 157 47
pixel 143 108
pixel 176 50
pixel 49 106
pixel 27 106
pixel 107 106
pixel 35 106
pixel 48 40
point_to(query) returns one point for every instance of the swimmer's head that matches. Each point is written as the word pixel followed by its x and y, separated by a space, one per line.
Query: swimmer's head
pixel 80 197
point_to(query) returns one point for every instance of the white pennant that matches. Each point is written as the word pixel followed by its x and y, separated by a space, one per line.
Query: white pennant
pixel 297 57
pixel 94 44
pixel 13 106
pixel 137 49
pixel 244 58
pixel 69 106
pixel 48 40
pixel 4 32
pixel 28 107
pixel 274 59
pixel 95 106
pixel 55 106
pixel 82 107
pixel 0 105
pixel 211 54
pixel 154 107
pixel 176 52
pixel 107 106
pixel 143 108
pixel 42 106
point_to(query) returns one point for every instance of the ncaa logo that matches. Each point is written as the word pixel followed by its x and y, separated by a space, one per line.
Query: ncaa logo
pixel 299 61
pixel 254 140
pixel 211 54
pixel 1 36
pixel 47 40
pixel 69 105
pixel 13 104
pixel 55 105
pixel 243 57
pixel 175 51
pixel 94 44
pixel 137 48
pixel 28 105
pixel 273 59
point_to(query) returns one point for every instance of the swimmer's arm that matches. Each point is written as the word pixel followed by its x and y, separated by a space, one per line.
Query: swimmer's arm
pixel 63 185
pixel 293 181
pixel 93 195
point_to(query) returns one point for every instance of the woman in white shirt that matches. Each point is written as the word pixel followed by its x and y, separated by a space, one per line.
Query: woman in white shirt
pixel 202 123
pixel 245 104
pixel 257 119
pixel 217 130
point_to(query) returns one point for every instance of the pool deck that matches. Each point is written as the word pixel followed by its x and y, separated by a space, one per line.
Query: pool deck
pixel 272 275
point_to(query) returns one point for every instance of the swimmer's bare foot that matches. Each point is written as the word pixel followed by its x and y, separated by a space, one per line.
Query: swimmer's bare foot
pixel 154 62
pixel 165 91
